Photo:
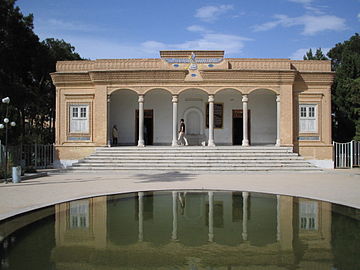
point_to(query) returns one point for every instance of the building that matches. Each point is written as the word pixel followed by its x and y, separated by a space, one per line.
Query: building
pixel 224 101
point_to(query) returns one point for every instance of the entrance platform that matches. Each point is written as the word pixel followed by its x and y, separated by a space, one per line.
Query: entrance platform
pixel 194 158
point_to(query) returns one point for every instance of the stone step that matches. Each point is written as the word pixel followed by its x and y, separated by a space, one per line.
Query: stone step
pixel 194 158
pixel 191 150
pixel 205 156
pixel 223 168
pixel 196 162
pixel 191 164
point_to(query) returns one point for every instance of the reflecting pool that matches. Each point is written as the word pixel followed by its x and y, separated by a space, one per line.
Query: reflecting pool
pixel 184 230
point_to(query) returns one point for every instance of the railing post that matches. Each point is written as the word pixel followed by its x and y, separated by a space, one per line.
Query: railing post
pixel 35 156
pixel 334 154
pixel 351 155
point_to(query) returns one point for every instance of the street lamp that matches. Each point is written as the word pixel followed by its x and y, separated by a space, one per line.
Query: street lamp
pixel 13 124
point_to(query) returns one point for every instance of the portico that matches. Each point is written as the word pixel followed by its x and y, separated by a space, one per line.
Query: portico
pixel 224 101
pixel 196 106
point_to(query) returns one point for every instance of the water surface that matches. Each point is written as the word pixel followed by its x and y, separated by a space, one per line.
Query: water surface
pixel 184 230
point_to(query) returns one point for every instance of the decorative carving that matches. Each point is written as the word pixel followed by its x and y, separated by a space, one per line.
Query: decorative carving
pixel 174 99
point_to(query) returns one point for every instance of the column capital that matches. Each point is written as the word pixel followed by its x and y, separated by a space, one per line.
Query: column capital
pixel 174 99
pixel 211 98
pixel 108 98
pixel 245 98
pixel 277 98
pixel 141 99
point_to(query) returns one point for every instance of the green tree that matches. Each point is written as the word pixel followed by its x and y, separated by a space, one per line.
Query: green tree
pixel 25 64
pixel 319 55
pixel 345 59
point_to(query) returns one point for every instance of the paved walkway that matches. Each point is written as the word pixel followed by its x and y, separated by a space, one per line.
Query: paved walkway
pixel 340 186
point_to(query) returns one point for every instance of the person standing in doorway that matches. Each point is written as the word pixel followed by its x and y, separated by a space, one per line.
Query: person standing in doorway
pixel 115 135
pixel 182 137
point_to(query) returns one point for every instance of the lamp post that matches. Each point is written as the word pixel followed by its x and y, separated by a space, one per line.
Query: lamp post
pixel 6 122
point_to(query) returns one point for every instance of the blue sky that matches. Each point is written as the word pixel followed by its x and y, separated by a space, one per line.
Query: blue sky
pixel 246 29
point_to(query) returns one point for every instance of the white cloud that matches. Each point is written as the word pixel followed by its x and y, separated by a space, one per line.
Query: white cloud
pixel 197 28
pixel 211 13
pixel 301 1
pixel 312 24
pixel 208 41
pixel 96 48
pixel 60 25
pixel 308 5
pixel 299 54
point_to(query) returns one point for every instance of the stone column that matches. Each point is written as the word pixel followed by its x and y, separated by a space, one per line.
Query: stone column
pixel 141 216
pixel 245 141
pixel 211 121
pixel 278 120
pixel 141 121
pixel 174 210
pixel 109 129
pixel 175 103
pixel 211 216
pixel 245 196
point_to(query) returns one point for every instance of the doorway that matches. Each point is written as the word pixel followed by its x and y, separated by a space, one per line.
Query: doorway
pixel 237 126
pixel 148 127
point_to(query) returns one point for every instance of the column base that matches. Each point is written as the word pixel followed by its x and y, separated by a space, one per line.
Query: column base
pixel 211 237
pixel 109 143
pixel 141 143
pixel 277 143
pixel 174 143
pixel 211 143
pixel 245 143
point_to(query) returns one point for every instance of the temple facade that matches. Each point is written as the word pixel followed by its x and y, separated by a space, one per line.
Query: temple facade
pixel 224 101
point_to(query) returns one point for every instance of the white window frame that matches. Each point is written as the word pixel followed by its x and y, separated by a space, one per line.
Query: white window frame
pixel 308 118
pixel 79 118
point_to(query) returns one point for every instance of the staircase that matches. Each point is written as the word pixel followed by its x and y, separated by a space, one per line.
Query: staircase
pixel 194 158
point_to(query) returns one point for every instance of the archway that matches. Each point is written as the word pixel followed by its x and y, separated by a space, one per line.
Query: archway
pixel 192 106
pixel 123 105
pixel 263 117
pixel 158 101
pixel 231 131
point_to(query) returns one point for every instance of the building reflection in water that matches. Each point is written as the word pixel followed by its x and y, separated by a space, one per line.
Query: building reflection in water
pixel 194 230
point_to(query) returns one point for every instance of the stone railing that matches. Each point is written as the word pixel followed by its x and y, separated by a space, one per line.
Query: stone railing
pixel 259 64
pixel 311 65
pixel 63 66
pixel 109 64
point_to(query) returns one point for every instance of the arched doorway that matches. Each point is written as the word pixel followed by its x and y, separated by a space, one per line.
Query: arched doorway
pixel 195 121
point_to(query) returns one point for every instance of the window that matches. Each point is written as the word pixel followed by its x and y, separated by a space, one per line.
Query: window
pixel 308 119
pixel 79 118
